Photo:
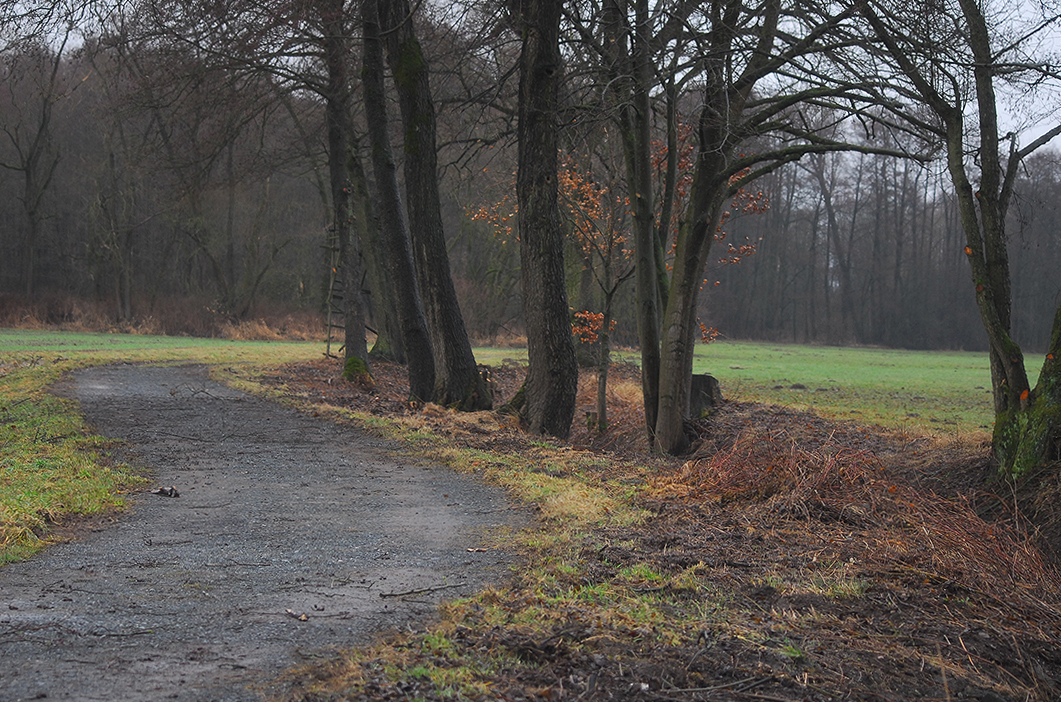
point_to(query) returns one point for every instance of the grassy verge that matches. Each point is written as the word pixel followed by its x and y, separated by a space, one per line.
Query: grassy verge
pixel 818 575
pixel 51 466
pixel 828 578
pixel 509 631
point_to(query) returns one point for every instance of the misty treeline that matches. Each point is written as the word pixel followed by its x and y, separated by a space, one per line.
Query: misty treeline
pixel 832 173
pixel 138 169
pixel 868 250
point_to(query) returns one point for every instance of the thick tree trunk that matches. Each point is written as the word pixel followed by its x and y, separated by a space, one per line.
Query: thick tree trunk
pixel 415 336
pixel 384 312
pixel 679 326
pixel 552 377
pixel 457 378
pixel 337 116
pixel 1029 436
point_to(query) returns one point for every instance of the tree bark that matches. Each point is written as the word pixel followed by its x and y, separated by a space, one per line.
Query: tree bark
pixel 552 376
pixel 632 73
pixel 457 379
pixel 340 129
pixel 384 310
pixel 725 97
pixel 415 336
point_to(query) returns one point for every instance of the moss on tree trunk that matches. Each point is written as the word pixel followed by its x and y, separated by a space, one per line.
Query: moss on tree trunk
pixel 1028 436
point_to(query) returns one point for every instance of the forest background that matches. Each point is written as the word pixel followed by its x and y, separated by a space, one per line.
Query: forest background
pixel 180 193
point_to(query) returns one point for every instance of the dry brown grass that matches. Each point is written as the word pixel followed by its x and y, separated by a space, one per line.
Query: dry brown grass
pixel 903 525
pixel 165 316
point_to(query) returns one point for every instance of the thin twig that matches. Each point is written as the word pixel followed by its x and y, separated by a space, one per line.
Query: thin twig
pixel 421 590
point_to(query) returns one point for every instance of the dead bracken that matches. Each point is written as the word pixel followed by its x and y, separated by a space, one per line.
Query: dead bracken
pixel 787 558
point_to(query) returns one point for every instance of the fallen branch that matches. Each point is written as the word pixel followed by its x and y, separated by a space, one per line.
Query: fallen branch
pixel 420 591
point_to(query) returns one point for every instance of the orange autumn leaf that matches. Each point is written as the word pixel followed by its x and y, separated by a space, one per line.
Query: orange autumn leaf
pixel 969 250
pixel 1024 395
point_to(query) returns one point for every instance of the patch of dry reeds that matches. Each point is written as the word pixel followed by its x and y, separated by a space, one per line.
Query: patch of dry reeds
pixel 911 528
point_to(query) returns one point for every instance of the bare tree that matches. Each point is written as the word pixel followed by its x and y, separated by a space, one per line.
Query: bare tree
pixel 457 378
pixel 756 77
pixel 335 31
pixel 552 376
pixel 952 63
pixel 415 335
pixel 33 84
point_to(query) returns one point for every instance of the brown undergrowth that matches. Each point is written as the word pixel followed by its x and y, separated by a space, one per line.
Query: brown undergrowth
pixel 170 316
pixel 789 558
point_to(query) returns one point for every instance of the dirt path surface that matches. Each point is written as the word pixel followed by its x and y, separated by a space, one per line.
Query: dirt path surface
pixel 292 536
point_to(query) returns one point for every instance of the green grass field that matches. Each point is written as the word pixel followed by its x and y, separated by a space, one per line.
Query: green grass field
pixel 930 390
pixel 936 391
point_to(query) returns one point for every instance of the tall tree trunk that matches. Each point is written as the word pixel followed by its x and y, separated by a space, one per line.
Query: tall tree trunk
pixel 1027 421
pixel 722 105
pixel 340 129
pixel 457 378
pixel 678 335
pixel 632 71
pixel 415 336
pixel 388 345
pixel 552 377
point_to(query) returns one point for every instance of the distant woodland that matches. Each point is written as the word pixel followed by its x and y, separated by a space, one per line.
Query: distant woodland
pixel 149 167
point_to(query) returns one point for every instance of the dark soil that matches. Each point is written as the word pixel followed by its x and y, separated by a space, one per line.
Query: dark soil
pixel 290 538
pixel 777 512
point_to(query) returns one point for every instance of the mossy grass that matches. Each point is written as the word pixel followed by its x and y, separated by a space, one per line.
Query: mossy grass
pixel 51 467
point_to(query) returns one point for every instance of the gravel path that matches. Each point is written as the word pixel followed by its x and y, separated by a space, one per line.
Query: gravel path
pixel 291 537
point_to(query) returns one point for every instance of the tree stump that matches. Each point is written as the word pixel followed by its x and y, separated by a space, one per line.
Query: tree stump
pixel 704 394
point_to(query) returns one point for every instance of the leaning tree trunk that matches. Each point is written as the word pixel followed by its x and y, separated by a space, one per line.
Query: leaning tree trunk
pixel 457 379
pixel 552 376
pixel 415 336
pixel 337 116
pixel 1027 420
pixel 1027 431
